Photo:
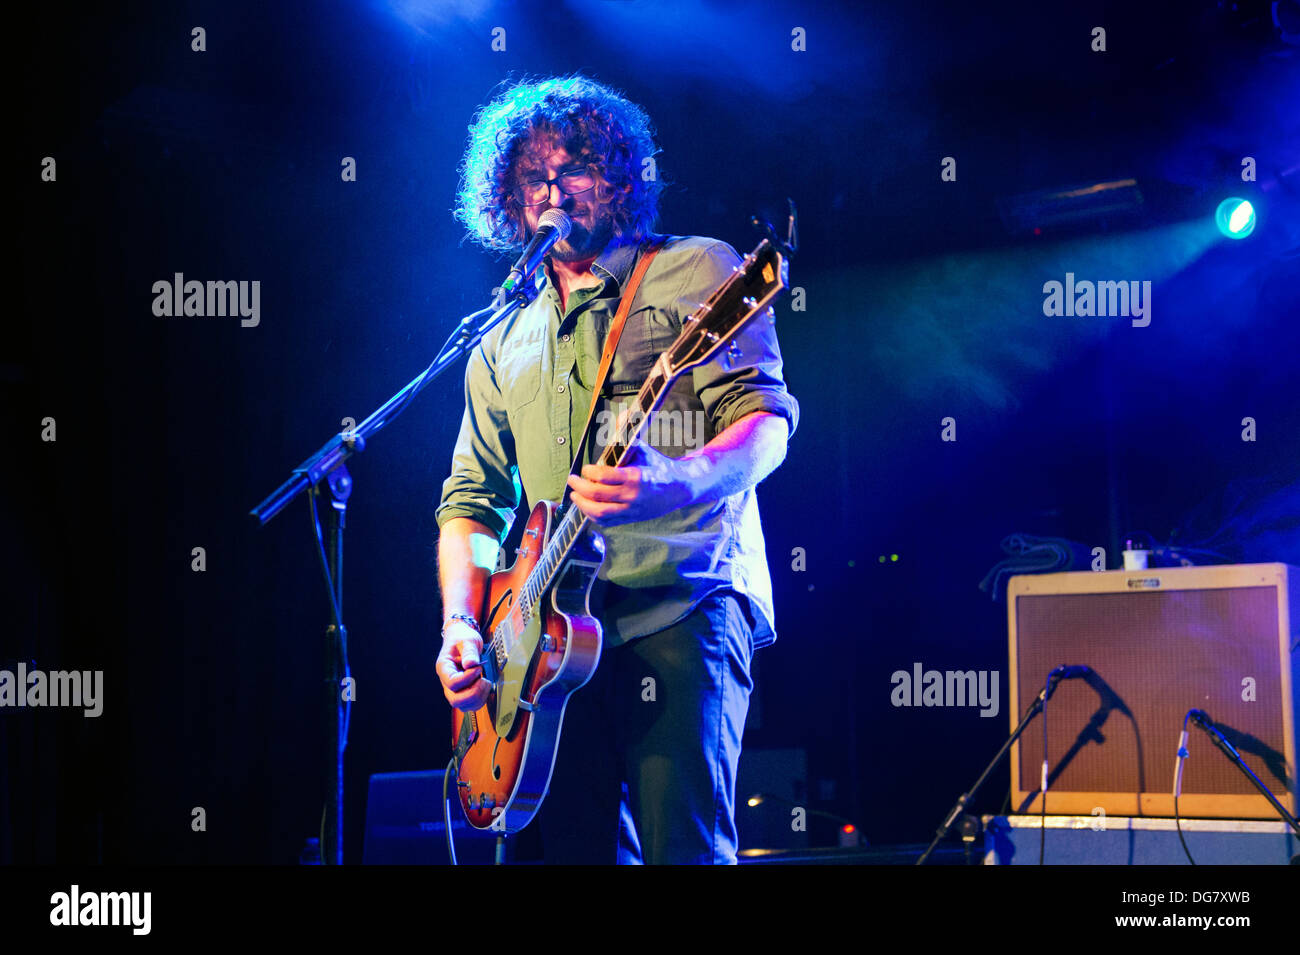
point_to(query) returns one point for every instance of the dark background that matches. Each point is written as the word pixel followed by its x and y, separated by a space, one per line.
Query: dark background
pixel 920 305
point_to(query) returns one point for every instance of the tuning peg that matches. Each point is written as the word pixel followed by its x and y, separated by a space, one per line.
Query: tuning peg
pixel 790 242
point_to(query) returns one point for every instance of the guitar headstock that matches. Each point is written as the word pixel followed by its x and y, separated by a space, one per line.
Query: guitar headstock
pixel 758 280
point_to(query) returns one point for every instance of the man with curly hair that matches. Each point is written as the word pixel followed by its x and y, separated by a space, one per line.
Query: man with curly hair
pixel 646 768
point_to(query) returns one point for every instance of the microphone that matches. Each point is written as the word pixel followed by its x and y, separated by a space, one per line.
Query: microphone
pixel 1060 673
pixel 554 226
pixel 1071 672
pixel 1202 719
pixel 1178 763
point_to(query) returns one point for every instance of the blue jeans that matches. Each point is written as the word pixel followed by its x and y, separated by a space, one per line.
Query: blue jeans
pixel 646 769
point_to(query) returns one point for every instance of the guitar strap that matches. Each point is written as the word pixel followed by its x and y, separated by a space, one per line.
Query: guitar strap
pixel 611 342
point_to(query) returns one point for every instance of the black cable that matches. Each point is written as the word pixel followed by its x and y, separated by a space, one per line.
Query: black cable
pixel 1042 810
pixel 1178 785
pixel 446 808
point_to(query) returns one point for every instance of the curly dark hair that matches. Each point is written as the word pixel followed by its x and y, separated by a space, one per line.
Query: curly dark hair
pixel 587 119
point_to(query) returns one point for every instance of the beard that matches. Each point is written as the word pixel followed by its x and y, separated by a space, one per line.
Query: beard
pixel 588 238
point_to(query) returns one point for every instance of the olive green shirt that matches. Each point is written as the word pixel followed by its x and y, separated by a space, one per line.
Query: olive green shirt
pixel 527 391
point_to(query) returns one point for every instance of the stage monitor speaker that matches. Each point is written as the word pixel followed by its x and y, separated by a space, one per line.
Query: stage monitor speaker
pixel 1160 642
pixel 404 824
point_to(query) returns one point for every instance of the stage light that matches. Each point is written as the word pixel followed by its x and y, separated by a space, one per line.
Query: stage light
pixel 1235 218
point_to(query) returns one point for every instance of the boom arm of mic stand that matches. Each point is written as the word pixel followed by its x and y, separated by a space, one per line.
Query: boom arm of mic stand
pixel 1230 751
pixel 342 446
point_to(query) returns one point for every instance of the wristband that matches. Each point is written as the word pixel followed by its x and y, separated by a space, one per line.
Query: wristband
pixel 460 616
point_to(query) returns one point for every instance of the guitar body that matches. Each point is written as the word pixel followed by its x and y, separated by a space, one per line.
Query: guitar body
pixel 506 749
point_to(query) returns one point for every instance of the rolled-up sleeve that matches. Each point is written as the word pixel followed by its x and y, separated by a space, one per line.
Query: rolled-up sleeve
pixel 750 380
pixel 484 481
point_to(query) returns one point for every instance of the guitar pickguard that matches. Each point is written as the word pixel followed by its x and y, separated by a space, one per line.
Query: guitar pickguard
pixel 511 683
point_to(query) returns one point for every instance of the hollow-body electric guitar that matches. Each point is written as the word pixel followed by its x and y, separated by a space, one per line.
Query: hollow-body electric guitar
pixel 544 642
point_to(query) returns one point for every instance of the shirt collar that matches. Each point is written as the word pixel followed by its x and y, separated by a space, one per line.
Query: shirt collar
pixel 616 262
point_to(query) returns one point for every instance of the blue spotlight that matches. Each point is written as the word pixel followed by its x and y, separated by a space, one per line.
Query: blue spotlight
pixel 1235 218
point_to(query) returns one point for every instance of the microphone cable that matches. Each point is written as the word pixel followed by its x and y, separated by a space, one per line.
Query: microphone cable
pixel 446 810
pixel 1178 783
pixel 1042 809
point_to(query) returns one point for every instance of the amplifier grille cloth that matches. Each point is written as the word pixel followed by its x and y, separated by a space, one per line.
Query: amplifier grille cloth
pixel 1162 653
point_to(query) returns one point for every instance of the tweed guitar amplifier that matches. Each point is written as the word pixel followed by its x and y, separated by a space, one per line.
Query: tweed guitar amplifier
pixel 1159 642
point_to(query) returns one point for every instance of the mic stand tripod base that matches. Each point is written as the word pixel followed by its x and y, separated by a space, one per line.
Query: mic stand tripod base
pixel 957 810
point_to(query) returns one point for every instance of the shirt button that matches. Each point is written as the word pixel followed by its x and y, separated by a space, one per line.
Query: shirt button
pixel 560 389
pixel 560 439
pixel 564 337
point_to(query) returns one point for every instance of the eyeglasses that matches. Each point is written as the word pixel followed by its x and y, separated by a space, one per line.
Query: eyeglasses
pixel 572 182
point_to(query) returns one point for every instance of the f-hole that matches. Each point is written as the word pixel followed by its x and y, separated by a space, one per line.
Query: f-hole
pixel 492 615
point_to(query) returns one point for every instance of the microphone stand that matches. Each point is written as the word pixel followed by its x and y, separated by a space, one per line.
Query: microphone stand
pixel 329 464
pixel 1212 731
pixel 950 820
